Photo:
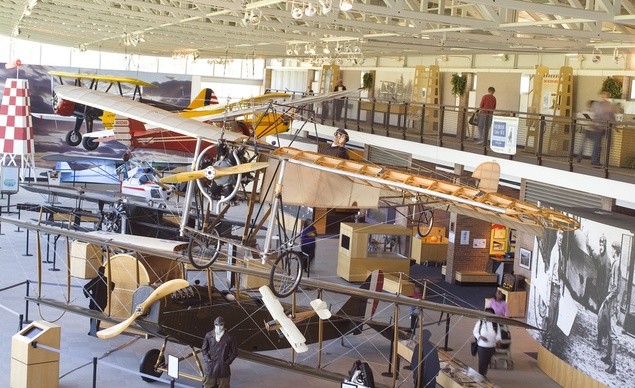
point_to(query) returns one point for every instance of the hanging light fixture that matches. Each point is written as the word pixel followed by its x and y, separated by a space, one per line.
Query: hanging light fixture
pixel 326 49
pixel 297 11
pixel 326 6
pixel 346 5
pixel 310 10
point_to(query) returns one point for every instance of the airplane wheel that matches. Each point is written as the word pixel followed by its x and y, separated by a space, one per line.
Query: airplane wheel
pixel 147 365
pixel 89 143
pixel 73 138
pixel 285 274
pixel 425 222
pixel 203 250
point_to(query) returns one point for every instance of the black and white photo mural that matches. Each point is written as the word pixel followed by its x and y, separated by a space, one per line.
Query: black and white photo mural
pixel 581 296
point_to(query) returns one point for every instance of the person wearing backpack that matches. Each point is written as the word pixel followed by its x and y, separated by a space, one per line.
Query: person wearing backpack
pixel 488 335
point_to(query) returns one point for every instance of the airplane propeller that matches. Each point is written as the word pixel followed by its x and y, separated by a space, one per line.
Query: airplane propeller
pixel 160 292
pixel 212 172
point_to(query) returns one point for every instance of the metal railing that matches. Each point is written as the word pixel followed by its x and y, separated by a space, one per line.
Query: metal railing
pixel 541 137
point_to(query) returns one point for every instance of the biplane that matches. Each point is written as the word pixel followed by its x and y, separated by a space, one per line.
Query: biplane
pixel 268 178
pixel 87 114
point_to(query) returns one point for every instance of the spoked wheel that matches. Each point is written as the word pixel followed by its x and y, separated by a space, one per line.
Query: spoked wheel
pixel 424 222
pixel 285 274
pixel 148 364
pixel 73 138
pixel 203 249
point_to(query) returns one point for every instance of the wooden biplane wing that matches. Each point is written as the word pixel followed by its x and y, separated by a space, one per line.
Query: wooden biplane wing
pixel 328 181
pixel 101 77
pixel 245 106
pixel 151 116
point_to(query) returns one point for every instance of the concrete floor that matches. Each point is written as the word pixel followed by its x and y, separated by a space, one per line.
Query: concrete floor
pixel 119 357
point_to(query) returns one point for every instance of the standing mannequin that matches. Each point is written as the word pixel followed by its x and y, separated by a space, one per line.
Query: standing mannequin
pixel 338 147
pixel 219 351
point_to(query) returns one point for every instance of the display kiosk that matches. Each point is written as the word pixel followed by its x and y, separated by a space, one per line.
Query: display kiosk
pixel 355 260
pixel 33 366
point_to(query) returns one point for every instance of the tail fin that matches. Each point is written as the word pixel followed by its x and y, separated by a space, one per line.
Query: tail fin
pixel 488 174
pixel 360 307
pixel 204 98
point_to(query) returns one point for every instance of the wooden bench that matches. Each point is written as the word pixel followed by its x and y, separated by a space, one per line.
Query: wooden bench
pixel 475 277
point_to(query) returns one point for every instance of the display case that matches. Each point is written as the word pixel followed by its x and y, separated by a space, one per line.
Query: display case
pixel 431 249
pixel 360 252
pixel 499 240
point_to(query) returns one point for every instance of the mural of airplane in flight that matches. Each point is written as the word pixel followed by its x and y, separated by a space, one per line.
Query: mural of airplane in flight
pixel 275 176
pixel 87 114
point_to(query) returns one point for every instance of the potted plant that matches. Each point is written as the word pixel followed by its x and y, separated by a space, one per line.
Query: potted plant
pixel 459 83
pixel 367 80
pixel 613 86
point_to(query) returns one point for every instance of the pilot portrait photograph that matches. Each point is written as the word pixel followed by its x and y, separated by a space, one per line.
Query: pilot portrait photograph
pixel 580 297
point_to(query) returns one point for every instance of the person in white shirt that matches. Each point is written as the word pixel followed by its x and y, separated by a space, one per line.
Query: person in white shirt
pixel 488 334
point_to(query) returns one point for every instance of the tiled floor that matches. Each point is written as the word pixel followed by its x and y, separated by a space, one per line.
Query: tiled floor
pixel 119 357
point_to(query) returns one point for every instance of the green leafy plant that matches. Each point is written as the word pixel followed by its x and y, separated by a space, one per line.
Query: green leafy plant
pixel 459 83
pixel 613 87
pixel 367 80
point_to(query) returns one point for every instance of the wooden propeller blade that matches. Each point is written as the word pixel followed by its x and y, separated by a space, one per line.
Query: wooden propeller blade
pixel 160 292
pixel 184 176
pixel 240 169
pixel 214 172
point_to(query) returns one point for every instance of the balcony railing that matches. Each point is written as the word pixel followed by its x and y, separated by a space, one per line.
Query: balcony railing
pixel 542 139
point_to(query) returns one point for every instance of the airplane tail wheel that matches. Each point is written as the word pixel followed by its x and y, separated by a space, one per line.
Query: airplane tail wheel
pixel 286 273
pixel 148 364
pixel 203 249
pixel 89 143
pixel 424 223
pixel 73 138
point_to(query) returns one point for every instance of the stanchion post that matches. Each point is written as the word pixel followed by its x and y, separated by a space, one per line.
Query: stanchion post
pixel 26 302
pixel 94 372
pixel 26 249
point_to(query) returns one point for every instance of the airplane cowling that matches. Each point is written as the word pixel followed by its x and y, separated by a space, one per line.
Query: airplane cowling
pixel 65 108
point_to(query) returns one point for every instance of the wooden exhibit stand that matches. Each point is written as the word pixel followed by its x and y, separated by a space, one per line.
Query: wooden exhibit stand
pixel 516 302
pixel 354 261
pixel 622 151
pixel 33 366
pixel 432 249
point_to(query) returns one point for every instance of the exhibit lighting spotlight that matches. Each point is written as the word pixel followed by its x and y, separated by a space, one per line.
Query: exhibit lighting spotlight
pixel 346 5
pixel 312 49
pixel 310 10
pixel 254 18
pixel 326 49
pixel 326 6
pixel 289 50
pixel 297 11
